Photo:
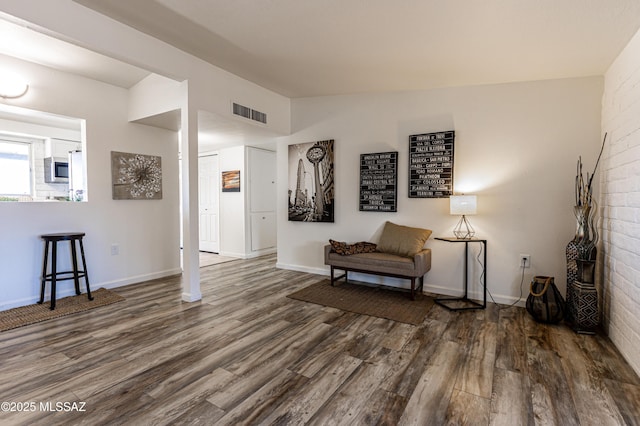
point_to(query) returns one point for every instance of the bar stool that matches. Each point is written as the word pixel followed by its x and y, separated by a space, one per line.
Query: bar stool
pixel 55 275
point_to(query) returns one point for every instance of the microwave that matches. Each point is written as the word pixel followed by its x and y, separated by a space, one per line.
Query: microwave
pixel 56 170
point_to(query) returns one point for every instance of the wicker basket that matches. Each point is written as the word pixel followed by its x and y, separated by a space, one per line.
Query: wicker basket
pixel 545 303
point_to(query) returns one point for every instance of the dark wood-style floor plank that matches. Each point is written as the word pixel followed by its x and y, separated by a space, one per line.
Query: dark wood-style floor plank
pixel 357 390
pixel 248 355
pixel 511 350
pixel 511 400
pixel 299 409
pixel 468 409
pixel 593 401
pixel 552 404
pixel 430 399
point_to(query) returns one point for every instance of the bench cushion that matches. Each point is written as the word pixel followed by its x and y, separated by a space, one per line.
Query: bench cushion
pixel 382 263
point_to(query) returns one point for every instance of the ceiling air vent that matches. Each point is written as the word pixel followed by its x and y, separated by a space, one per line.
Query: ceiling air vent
pixel 241 110
pixel 259 116
pixel 249 113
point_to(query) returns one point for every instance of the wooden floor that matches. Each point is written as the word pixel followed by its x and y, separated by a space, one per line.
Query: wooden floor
pixel 247 354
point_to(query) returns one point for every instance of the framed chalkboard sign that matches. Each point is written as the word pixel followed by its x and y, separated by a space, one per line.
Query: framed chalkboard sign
pixel 379 182
pixel 431 165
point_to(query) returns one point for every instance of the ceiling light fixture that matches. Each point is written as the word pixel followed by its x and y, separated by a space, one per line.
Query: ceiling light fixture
pixel 12 86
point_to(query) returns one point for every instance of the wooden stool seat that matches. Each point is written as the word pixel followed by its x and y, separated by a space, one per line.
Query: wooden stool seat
pixel 55 275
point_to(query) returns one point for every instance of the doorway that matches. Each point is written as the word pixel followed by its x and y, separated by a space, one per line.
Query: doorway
pixel 208 204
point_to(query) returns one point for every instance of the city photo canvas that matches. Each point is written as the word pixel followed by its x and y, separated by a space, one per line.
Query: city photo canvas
pixel 311 185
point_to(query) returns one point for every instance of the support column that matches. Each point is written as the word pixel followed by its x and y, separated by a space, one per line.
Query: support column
pixel 190 235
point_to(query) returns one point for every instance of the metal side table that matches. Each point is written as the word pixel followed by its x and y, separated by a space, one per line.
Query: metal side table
pixel 464 300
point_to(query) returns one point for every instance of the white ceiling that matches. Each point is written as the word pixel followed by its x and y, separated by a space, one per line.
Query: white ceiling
pixel 214 132
pixel 305 48
pixel 26 44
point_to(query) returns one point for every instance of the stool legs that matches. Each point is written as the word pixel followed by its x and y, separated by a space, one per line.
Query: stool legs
pixel 74 261
pixel 54 273
pixel 44 271
pixel 84 268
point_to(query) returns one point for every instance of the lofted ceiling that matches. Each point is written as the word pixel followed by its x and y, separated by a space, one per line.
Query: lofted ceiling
pixel 16 40
pixel 23 43
pixel 302 48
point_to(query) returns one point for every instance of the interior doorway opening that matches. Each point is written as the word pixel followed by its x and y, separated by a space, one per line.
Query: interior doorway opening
pixel 209 203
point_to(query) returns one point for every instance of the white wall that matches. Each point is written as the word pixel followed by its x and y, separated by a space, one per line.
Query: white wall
pixel 232 205
pixel 620 202
pixel 146 231
pixel 516 147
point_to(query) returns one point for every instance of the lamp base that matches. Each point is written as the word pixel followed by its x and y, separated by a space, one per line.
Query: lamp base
pixel 463 229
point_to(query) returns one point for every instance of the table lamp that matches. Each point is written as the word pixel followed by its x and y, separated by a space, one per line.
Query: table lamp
pixel 463 205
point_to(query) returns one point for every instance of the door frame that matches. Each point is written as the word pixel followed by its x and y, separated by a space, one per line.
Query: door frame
pixel 211 154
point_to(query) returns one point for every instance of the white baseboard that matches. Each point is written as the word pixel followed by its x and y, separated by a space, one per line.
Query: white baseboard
pixel 70 290
pixel 232 254
pixel 264 252
pixel 251 255
pixel 476 295
pixel 21 302
pixel 317 271
pixel 138 278
pixel 402 283
pixel 191 297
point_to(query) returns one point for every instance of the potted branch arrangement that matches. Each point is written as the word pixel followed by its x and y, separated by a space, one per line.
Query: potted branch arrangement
pixel 581 252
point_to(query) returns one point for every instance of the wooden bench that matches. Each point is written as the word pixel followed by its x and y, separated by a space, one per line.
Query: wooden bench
pixel 378 263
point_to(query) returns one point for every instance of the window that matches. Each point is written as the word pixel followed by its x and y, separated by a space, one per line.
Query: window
pixel 30 141
pixel 15 168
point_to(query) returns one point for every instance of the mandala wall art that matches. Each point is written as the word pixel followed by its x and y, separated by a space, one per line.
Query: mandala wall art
pixel 136 176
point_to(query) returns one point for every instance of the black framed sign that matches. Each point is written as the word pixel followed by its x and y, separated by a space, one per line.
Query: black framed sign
pixel 431 165
pixel 379 182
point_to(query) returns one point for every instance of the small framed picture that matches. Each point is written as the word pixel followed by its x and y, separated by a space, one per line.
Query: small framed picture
pixel 231 181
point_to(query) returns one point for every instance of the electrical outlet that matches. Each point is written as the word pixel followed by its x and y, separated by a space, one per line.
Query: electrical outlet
pixel 525 261
pixel 115 249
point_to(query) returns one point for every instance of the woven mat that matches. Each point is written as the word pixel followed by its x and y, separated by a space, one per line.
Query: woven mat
pixel 31 314
pixel 367 300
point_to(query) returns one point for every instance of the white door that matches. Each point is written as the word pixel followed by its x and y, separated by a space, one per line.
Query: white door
pixel 208 197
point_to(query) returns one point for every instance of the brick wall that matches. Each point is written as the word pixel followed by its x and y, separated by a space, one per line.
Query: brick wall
pixel 620 203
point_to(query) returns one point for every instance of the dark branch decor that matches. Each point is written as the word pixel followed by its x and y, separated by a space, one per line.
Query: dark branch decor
pixel 136 176
pixel 581 253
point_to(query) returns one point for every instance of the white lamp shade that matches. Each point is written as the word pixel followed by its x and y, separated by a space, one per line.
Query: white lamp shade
pixel 462 204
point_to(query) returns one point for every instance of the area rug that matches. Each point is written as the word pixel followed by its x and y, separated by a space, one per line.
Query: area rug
pixel 31 314
pixel 367 300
